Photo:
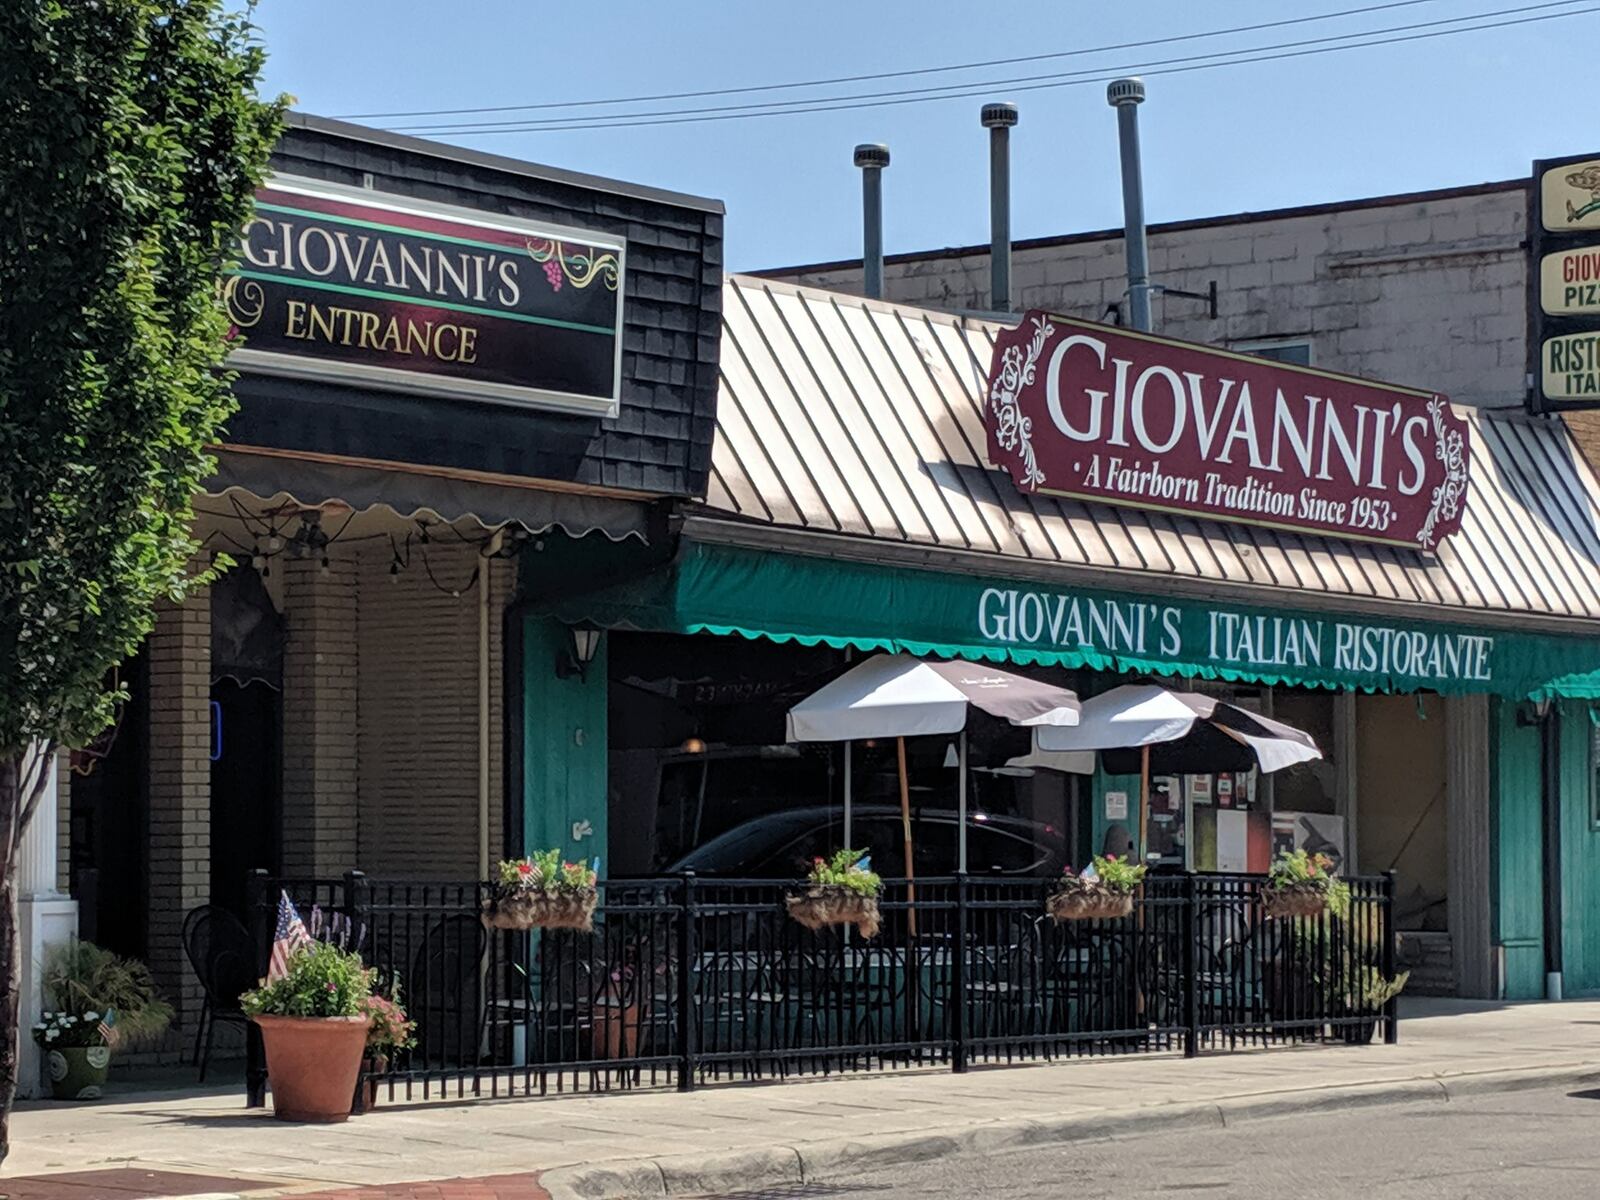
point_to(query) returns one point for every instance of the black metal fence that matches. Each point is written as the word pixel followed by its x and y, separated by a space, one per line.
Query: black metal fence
pixel 687 980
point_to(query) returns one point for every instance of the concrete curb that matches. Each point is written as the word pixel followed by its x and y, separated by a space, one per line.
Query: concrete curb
pixel 808 1162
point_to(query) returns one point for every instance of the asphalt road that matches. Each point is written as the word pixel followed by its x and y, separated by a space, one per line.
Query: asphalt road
pixel 1501 1147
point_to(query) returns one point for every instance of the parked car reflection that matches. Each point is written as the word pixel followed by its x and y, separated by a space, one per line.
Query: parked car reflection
pixel 782 845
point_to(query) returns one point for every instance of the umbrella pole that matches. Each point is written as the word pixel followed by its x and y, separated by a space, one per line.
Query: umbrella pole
pixel 1143 847
pixel 961 806
pixel 1144 804
pixel 847 830
pixel 905 831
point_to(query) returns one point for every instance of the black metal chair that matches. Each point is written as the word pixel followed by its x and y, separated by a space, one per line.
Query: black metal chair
pixel 445 993
pixel 223 956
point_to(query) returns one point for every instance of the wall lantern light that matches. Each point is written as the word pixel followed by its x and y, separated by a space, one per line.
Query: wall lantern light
pixel 575 660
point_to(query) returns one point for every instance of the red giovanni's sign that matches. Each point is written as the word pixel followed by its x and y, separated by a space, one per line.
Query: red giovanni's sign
pixel 1100 413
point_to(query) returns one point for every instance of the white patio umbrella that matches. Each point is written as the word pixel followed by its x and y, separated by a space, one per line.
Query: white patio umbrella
pixel 1189 732
pixel 898 696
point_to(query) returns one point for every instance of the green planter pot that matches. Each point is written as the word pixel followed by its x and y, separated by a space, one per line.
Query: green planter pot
pixel 78 1072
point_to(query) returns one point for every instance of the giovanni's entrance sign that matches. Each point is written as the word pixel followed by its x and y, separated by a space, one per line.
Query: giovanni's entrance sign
pixel 362 287
pixel 1099 413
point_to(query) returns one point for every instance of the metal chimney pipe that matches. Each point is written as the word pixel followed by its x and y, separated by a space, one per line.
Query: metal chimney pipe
pixel 872 158
pixel 998 119
pixel 1125 95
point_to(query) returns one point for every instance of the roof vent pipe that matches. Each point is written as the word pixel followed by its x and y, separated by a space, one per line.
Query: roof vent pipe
pixel 1125 95
pixel 998 120
pixel 872 158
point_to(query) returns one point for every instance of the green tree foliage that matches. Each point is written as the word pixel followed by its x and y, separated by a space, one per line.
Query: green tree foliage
pixel 132 142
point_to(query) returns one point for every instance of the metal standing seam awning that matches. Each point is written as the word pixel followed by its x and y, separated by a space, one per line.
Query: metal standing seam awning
pixel 850 504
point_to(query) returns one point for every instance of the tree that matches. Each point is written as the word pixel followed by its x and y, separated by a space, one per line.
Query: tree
pixel 132 143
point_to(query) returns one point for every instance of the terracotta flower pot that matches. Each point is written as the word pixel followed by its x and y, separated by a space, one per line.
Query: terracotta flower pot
pixel 312 1064
pixel 372 1065
pixel 615 1028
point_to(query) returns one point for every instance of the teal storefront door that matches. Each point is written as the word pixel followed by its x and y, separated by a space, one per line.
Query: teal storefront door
pixel 563 746
pixel 1580 850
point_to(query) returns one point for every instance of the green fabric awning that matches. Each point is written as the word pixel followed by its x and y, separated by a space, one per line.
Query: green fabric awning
pixel 792 597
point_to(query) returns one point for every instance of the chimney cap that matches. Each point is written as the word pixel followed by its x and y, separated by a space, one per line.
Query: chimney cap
pixel 999 114
pixel 1125 91
pixel 872 154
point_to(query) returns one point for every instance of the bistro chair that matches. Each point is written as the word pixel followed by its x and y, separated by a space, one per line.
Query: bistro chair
pixel 446 991
pixel 223 955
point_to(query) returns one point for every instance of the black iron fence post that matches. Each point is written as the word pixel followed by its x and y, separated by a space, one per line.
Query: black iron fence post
pixel 957 1003
pixel 262 912
pixel 357 903
pixel 688 1025
pixel 1391 1008
pixel 1191 985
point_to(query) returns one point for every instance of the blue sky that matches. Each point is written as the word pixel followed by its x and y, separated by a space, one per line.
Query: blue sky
pixel 1420 114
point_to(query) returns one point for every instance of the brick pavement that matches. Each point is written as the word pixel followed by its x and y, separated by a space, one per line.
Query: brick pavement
pixel 489 1187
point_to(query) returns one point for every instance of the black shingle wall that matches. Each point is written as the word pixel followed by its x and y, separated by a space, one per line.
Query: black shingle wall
pixel 660 441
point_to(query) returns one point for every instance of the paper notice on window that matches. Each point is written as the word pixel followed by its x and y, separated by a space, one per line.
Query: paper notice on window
pixel 1116 806
pixel 1233 840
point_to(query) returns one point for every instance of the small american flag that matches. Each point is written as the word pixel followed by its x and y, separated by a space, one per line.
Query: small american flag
pixel 289 936
pixel 106 1022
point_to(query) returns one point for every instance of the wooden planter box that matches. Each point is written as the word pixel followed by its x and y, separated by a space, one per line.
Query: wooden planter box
pixel 1297 900
pixel 1089 904
pixel 824 905
pixel 572 909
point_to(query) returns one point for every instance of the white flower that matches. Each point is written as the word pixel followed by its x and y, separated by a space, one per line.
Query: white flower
pixel 91 1016
pixel 40 1025
pixel 51 1035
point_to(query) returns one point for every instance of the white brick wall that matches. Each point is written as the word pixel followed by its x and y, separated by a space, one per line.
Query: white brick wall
pixel 1426 292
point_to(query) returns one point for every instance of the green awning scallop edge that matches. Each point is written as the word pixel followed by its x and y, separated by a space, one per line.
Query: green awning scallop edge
pixel 730 590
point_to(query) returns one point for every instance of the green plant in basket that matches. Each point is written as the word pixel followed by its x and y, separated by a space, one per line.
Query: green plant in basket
pixel 1119 874
pixel 1304 873
pixel 321 981
pixel 546 872
pixel 849 869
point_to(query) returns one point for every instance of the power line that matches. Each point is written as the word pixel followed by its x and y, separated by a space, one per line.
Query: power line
pixel 876 75
pixel 840 104
pixel 939 92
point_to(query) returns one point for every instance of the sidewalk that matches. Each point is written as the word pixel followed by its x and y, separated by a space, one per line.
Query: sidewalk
pixel 749 1136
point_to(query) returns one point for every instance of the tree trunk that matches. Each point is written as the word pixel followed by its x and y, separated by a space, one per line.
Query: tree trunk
pixel 10 953
pixel 20 789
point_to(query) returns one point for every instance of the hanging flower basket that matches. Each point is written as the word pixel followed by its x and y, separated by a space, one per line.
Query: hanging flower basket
pixel 1293 900
pixel 1089 903
pixel 825 904
pixel 1104 893
pixel 571 908
pixel 542 892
